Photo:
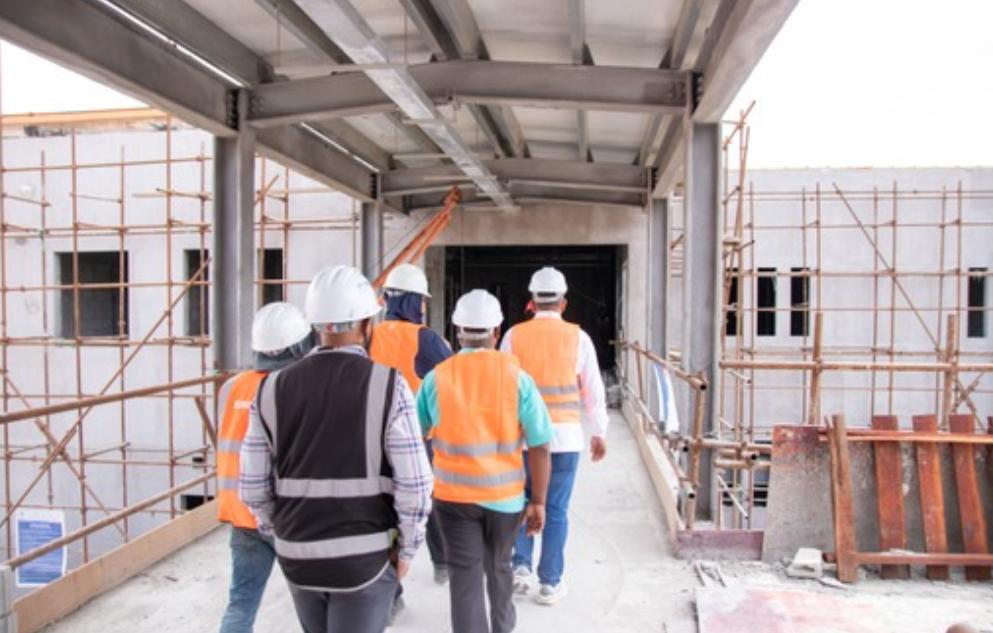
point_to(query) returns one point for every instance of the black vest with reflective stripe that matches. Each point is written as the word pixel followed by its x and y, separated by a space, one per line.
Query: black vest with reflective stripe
pixel 333 517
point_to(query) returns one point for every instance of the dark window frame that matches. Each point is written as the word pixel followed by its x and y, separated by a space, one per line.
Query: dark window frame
pixel 100 308
pixel 199 295
pixel 977 288
pixel 765 302
pixel 800 301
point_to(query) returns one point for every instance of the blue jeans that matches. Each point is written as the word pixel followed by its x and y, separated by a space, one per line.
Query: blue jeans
pixel 252 556
pixel 553 536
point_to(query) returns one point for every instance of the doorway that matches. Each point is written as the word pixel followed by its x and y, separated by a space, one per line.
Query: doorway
pixel 593 274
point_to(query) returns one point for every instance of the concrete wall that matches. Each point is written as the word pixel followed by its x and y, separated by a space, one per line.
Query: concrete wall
pixel 32 261
pixel 848 300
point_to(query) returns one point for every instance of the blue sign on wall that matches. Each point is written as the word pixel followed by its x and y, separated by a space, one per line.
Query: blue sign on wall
pixel 35 528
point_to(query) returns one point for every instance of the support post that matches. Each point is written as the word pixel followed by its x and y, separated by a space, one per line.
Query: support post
pixel 702 274
pixel 233 287
pixel 372 239
pixel 658 276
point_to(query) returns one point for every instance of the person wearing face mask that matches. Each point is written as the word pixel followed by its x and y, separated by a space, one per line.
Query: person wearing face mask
pixel 334 465
pixel 403 342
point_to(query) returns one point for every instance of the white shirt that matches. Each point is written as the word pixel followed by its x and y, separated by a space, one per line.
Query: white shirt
pixel 569 437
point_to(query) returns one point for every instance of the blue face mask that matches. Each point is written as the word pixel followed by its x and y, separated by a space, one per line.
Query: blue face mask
pixel 273 362
pixel 407 306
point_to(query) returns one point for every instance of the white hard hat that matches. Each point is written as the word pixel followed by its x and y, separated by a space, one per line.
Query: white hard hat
pixel 278 326
pixel 477 309
pixel 408 278
pixel 340 294
pixel 548 280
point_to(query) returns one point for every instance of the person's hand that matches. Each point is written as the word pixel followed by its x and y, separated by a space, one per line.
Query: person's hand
pixel 534 518
pixel 403 566
pixel 598 447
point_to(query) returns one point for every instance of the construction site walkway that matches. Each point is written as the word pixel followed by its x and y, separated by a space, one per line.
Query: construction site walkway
pixel 621 575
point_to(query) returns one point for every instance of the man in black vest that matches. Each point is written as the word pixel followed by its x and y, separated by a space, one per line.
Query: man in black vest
pixel 334 465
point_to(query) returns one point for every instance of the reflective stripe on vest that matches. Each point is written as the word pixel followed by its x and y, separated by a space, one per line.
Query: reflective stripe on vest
pixel 335 547
pixel 478 440
pixel 548 349
pixel 234 425
pixel 395 344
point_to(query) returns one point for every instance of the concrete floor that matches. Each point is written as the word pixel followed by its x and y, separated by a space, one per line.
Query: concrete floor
pixel 620 574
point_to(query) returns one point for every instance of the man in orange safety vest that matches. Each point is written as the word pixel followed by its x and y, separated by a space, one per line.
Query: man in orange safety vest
pixel 280 335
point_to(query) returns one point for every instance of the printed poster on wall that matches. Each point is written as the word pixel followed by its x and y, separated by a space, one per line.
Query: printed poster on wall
pixel 32 529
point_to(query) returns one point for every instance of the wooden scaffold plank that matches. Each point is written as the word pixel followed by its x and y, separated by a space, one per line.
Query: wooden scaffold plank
pixel 932 495
pixel 889 496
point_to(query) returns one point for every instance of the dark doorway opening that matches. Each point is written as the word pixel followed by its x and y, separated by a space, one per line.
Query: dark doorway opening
pixel 593 274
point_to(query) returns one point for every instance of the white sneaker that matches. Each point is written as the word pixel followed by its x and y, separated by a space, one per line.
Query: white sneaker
pixel 551 594
pixel 523 580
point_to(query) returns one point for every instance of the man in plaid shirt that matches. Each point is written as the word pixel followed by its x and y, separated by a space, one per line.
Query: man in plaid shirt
pixel 333 464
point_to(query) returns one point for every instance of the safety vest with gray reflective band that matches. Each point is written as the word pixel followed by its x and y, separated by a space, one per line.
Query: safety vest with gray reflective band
pixel 241 390
pixel 549 350
pixel 478 442
pixel 333 517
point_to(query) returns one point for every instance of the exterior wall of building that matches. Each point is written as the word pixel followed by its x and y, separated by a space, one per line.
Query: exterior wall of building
pixel 779 202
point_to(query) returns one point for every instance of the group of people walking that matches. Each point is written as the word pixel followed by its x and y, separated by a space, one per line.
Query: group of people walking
pixel 350 443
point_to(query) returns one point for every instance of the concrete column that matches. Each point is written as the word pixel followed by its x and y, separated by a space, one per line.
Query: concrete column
pixel 372 239
pixel 702 280
pixel 658 276
pixel 233 265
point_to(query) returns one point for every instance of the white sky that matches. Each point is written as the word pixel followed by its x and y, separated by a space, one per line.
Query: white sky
pixel 875 83
pixel 846 83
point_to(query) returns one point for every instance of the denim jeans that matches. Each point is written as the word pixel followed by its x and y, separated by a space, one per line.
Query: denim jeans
pixel 552 562
pixel 252 557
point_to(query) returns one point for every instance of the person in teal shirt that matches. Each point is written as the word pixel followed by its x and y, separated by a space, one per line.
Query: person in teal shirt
pixel 480 497
pixel 531 409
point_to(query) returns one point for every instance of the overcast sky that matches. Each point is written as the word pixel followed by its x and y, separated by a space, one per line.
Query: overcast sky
pixel 846 83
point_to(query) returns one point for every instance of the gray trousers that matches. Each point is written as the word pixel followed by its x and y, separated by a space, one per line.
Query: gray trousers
pixel 364 611
pixel 478 544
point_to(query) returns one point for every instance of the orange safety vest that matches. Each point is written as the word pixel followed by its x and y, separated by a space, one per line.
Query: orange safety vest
pixel 478 442
pixel 548 350
pixel 234 425
pixel 395 344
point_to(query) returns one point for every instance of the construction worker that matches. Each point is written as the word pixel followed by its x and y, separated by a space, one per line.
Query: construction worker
pixel 280 335
pixel 563 361
pixel 404 343
pixel 333 461
pixel 481 409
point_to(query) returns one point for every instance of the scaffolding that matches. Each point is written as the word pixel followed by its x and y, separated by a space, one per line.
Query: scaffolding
pixel 92 209
pixel 870 223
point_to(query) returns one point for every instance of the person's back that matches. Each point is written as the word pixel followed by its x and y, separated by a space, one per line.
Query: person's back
pixel 333 462
pixel 333 514
pixel 563 361
pixel 481 410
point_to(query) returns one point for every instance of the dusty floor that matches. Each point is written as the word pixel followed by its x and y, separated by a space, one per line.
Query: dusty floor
pixel 620 573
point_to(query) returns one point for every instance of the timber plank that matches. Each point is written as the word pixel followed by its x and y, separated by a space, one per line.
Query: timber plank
pixel 932 495
pixel 844 507
pixel 889 495
pixel 970 503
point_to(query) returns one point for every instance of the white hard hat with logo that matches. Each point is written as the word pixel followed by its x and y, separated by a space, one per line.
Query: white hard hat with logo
pixel 340 295
pixel 548 281
pixel 408 278
pixel 278 326
pixel 477 309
